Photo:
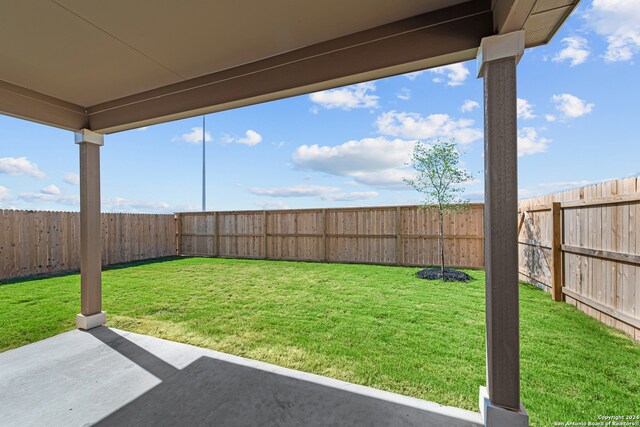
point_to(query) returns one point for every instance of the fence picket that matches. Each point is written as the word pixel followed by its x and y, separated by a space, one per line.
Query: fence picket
pixel 600 251
pixel 390 235
pixel 39 242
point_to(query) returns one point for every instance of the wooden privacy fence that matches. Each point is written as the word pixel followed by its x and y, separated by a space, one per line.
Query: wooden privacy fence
pixel 38 242
pixel 583 246
pixel 394 235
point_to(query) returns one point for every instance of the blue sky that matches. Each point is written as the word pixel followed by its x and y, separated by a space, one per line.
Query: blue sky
pixel 578 110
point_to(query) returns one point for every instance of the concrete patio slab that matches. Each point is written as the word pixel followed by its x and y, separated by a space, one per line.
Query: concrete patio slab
pixel 111 377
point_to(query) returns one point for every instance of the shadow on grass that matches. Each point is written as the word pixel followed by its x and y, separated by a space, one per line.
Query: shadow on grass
pixel 119 266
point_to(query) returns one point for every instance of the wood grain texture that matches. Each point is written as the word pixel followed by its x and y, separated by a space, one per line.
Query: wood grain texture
pixel 389 235
pixel 600 249
pixel 90 231
pixel 556 247
pixel 501 239
pixel 43 242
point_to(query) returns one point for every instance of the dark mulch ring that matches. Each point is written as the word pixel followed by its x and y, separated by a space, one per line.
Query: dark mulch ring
pixel 449 275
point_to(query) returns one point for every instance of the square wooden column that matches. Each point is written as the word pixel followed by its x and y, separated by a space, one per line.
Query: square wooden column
pixel 500 401
pixel 91 314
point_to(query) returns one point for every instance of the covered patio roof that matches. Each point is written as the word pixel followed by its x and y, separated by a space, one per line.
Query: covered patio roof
pixel 117 65
pixel 99 67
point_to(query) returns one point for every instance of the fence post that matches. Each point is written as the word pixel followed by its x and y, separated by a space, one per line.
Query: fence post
pixel 264 235
pixel 324 235
pixel 556 247
pixel 399 259
pixel 178 234
pixel 216 235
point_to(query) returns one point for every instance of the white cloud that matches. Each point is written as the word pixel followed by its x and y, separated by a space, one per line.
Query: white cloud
pixel 469 105
pixel 368 154
pixel 388 179
pixel 71 178
pixel 550 118
pixel 195 136
pixel 350 196
pixel 347 98
pixel 51 189
pixel 251 138
pixel 377 161
pixel 456 74
pixel 474 196
pixel 524 109
pixel 5 194
pixel 415 74
pixel 6 198
pixel 121 204
pixel 618 21
pixel 550 187
pixel 323 192
pixel 529 142
pixel 571 106
pixel 272 204
pixel 294 191
pixel 404 94
pixel 20 166
pixel 142 129
pixel 576 51
pixel 414 126
pixel 51 193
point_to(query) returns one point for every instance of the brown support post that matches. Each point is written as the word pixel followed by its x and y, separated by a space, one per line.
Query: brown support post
pixel 264 235
pixel 556 246
pixel 91 314
pixel 500 401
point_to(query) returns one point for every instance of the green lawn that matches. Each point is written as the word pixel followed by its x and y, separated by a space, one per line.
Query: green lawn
pixel 372 325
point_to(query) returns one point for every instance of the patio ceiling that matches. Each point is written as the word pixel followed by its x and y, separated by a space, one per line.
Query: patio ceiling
pixel 117 65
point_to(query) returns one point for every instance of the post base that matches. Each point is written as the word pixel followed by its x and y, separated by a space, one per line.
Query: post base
pixel 92 321
pixel 495 416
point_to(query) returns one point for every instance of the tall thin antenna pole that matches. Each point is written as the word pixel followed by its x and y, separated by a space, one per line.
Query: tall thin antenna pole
pixel 204 182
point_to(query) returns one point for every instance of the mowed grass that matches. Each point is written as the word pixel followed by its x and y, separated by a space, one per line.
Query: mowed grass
pixel 372 325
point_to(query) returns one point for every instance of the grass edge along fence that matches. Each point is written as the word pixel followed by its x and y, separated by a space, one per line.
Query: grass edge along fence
pixel 583 246
pixel 387 235
pixel 45 242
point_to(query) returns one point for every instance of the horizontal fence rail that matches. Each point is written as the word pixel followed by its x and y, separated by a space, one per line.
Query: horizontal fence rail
pixel 583 246
pixel 391 235
pixel 41 242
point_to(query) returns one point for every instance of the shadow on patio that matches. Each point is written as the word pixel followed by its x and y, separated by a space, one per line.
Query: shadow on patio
pixel 111 377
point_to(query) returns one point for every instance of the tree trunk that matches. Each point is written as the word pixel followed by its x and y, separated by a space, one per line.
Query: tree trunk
pixel 442 244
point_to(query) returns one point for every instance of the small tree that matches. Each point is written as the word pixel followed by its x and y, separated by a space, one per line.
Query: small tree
pixel 439 177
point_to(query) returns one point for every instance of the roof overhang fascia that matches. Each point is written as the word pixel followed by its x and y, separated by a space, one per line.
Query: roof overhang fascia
pixel 424 41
